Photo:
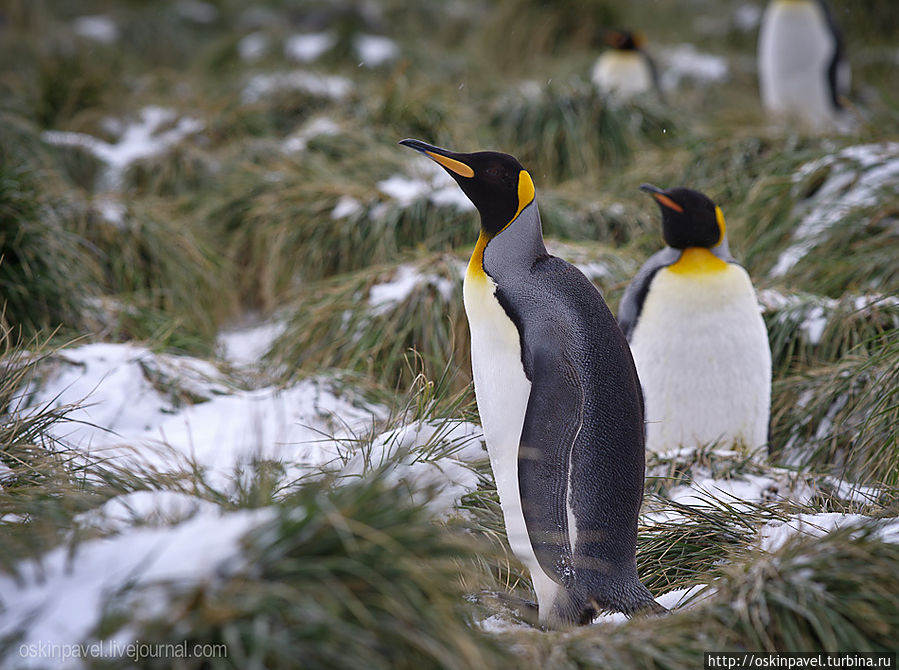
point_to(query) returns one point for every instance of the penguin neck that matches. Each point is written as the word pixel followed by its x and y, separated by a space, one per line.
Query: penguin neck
pixel 512 250
pixel 695 261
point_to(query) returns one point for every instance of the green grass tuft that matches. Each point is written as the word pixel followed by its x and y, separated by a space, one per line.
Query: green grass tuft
pixel 345 576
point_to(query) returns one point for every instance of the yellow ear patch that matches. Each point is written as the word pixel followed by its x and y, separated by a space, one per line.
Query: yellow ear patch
pixel 526 191
pixel 452 164
pixel 722 227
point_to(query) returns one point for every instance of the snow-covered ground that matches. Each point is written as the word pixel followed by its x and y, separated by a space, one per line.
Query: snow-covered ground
pixel 143 411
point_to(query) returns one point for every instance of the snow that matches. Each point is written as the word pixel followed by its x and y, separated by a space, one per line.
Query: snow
pixel 308 47
pixel 246 346
pixel 446 476
pixel 150 508
pixel 62 598
pixel 775 534
pixel 111 210
pixel 435 185
pixel 857 175
pixel 130 422
pixel 346 206
pixel 382 297
pixel 375 50
pixel 140 139
pixel 811 313
pixel 747 17
pixel 261 86
pixel 852 492
pixel 252 47
pixel 684 61
pixel 742 492
pixel 99 28
pixel 314 128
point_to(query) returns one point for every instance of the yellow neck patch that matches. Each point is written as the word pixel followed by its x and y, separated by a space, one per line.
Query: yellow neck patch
pixel 526 193
pixel 476 264
pixel 697 261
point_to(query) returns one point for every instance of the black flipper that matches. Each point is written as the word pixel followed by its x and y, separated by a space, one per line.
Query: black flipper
pixel 551 425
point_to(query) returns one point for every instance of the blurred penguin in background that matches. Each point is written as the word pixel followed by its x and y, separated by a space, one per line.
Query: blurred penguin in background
pixel 625 70
pixel 803 72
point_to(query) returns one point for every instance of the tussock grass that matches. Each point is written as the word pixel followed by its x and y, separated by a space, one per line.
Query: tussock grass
pixel 696 542
pixel 45 268
pixel 843 417
pixel 171 285
pixel 346 576
pixel 570 129
pixel 807 330
pixel 518 31
pixel 341 323
pixel 44 485
pixel 281 230
pixel 810 595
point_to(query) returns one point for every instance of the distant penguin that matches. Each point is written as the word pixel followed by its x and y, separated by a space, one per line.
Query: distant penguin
pixel 559 401
pixel 697 334
pixel 625 70
pixel 803 71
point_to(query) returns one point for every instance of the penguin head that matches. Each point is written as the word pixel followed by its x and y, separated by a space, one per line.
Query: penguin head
pixel 496 183
pixel 689 218
pixel 623 40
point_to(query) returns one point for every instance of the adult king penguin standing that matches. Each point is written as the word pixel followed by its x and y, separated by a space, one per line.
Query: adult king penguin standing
pixel 559 401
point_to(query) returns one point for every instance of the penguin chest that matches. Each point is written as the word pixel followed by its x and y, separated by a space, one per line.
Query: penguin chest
pixel 795 50
pixel 502 390
pixel 622 74
pixel 701 350
pixel 501 387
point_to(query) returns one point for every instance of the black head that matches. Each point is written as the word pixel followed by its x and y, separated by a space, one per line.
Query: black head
pixel 496 183
pixel 623 40
pixel 689 218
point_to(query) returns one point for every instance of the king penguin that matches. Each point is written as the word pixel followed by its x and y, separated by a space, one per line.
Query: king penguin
pixel 559 401
pixel 626 69
pixel 697 334
pixel 803 71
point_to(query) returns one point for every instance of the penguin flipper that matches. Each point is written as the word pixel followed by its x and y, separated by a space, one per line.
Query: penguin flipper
pixel 551 424
pixel 635 294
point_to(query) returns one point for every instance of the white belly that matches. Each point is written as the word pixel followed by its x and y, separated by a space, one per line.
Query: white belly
pixel 702 354
pixel 622 74
pixel 794 53
pixel 502 392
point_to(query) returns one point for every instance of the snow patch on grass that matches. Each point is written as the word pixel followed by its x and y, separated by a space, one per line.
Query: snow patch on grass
pixel 62 598
pixel 686 62
pixel 129 416
pixel 382 297
pixel 246 346
pixel 308 47
pixel 261 86
pixel 375 50
pixel 775 534
pixel 314 128
pixel 98 28
pixel 253 47
pixel 856 177
pixel 156 130
pixel 432 183
pixel 426 456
